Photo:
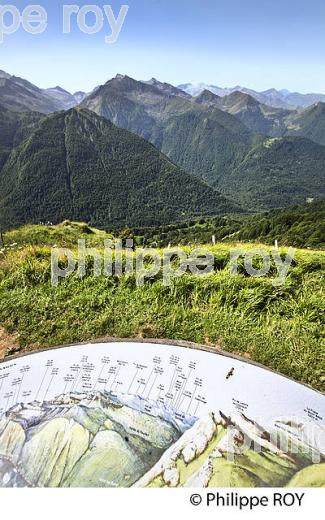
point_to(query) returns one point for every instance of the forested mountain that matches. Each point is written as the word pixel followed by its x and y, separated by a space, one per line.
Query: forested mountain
pixel 278 172
pixel 218 146
pixel 80 166
pixel 256 155
pixel 14 128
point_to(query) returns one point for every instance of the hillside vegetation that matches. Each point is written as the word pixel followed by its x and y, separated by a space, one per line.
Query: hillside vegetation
pixel 66 234
pixel 224 141
pixel 298 226
pixel 84 164
pixel 280 327
pixel 79 166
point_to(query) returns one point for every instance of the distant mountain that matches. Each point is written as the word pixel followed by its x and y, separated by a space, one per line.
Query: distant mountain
pixel 258 117
pixel 76 165
pixel 4 75
pixel 79 96
pixel 20 95
pixel 296 100
pixel 309 123
pixel 196 90
pixel 203 141
pixel 221 148
pixel 62 97
pixel 275 98
pixel 270 121
pixel 208 98
pixel 276 173
pixel 166 88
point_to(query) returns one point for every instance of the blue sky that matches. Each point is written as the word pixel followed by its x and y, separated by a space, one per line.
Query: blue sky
pixel 255 43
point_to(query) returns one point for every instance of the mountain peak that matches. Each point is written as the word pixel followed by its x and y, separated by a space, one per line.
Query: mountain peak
pixel 59 89
pixel 239 96
pixel 120 79
pixel 4 75
pixel 166 88
pixel 207 97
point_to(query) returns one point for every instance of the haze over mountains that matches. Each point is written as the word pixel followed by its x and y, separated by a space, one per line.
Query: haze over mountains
pixel 209 154
pixel 20 95
pixel 276 98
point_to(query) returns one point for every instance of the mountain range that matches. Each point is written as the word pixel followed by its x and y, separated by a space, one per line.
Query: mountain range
pixel 268 120
pixel 76 165
pixel 17 94
pixel 221 142
pixel 276 98
pixel 145 152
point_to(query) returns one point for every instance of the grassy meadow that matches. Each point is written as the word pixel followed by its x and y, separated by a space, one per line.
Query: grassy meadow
pixel 281 327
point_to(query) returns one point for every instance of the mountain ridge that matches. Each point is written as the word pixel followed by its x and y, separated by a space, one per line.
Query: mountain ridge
pixel 18 94
pixel 273 97
pixel 76 164
pixel 216 138
pixel 210 137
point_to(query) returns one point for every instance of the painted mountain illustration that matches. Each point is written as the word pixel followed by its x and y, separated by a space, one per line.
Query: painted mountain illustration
pixel 80 440
pixel 234 451
pixel 101 439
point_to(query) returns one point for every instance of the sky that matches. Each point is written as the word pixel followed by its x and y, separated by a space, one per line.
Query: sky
pixel 258 44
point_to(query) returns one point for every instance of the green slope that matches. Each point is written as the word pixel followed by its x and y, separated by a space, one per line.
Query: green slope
pixel 279 327
pixel 77 165
pixel 220 147
pixel 310 123
pixel 278 173
pixel 298 226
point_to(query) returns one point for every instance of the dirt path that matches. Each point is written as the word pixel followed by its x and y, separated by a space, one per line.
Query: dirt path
pixel 6 341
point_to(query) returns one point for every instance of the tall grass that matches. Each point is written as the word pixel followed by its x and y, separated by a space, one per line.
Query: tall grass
pixel 280 327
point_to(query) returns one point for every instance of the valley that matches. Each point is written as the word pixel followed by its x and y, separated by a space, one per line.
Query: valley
pixel 222 155
pixel 148 161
